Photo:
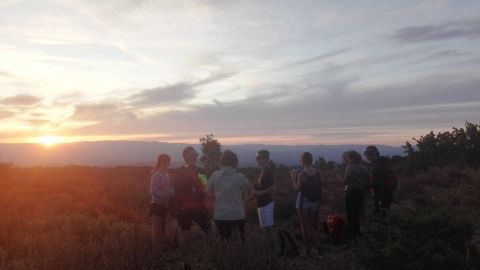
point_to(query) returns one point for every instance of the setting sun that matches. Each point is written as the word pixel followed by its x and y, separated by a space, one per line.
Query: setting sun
pixel 49 140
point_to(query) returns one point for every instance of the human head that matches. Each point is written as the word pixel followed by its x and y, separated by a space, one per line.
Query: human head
pixel 345 157
pixel 354 157
pixel 307 159
pixel 229 158
pixel 371 153
pixel 263 157
pixel 163 162
pixel 190 155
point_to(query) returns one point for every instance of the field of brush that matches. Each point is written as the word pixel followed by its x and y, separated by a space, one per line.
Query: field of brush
pixel 97 218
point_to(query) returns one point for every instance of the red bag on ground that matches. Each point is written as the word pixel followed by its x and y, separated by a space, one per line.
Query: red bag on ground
pixel 335 228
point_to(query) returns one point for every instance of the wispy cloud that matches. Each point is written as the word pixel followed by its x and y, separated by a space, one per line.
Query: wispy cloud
pixel 20 100
pixel 163 95
pixel 466 29
pixel 172 94
pixel 5 114
pixel 102 112
pixel 7 75
pixel 314 59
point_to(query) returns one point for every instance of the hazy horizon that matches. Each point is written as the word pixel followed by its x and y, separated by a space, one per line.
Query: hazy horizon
pixel 192 142
pixel 117 153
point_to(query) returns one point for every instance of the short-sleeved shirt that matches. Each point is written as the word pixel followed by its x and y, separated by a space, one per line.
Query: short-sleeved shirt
pixel 228 186
pixel 265 181
pixel 379 172
pixel 356 177
pixel 160 188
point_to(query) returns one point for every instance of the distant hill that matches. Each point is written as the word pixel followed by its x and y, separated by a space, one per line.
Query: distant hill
pixel 112 153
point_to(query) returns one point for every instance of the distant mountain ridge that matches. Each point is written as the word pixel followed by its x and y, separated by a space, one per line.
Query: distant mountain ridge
pixel 114 153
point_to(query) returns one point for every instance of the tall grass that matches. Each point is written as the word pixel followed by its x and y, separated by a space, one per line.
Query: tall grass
pixel 97 218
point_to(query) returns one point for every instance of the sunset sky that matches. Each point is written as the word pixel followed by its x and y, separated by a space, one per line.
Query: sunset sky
pixel 273 72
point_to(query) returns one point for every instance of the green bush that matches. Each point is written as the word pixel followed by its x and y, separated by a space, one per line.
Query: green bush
pixel 427 238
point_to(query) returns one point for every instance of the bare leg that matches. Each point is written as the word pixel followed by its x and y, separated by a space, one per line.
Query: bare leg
pixel 185 236
pixel 305 230
pixel 312 222
pixel 158 227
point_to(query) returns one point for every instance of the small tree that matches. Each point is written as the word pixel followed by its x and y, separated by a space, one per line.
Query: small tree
pixel 461 146
pixel 322 164
pixel 211 153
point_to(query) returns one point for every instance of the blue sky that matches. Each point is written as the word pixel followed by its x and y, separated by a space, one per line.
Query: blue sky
pixel 285 72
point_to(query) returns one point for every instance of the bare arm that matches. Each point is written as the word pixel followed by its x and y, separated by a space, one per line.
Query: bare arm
pixel 270 190
pixel 210 186
pixel 298 185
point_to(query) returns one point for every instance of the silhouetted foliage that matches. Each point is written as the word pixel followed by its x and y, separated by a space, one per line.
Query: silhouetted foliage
pixel 425 238
pixel 322 164
pixel 211 153
pixel 272 164
pixel 461 146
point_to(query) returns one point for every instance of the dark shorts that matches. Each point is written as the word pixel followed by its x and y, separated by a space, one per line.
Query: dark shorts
pixel 158 210
pixel 200 216
pixel 227 227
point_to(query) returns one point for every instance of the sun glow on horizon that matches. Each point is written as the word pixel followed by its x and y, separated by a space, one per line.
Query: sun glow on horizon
pixel 49 141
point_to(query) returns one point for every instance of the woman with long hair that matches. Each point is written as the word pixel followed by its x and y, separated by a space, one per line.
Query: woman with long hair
pixel 308 184
pixel 161 193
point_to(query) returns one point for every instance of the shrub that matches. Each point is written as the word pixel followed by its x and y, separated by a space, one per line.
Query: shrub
pixel 428 238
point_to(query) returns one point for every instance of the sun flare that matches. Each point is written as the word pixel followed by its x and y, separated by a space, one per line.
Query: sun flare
pixel 49 141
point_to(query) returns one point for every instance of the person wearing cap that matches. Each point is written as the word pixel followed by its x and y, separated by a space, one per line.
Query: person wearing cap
pixel 383 197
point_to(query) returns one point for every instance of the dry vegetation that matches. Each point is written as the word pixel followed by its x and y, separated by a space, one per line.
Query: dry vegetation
pixel 96 218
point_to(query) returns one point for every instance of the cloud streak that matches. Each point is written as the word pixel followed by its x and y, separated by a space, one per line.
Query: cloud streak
pixel 103 113
pixel 313 59
pixel 20 100
pixel 466 29
pixel 176 93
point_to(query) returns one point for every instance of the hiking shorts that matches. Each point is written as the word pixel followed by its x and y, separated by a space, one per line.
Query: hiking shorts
pixel 200 216
pixel 227 227
pixel 265 215
pixel 305 204
pixel 157 210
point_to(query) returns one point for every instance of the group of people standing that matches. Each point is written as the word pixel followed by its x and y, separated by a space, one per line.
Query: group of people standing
pixel 186 193
pixel 360 179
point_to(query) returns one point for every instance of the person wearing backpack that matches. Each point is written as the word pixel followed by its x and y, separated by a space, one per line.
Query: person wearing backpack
pixel 355 180
pixel 189 200
pixel 308 184
pixel 380 174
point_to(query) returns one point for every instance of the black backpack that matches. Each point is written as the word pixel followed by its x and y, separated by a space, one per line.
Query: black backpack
pixel 288 247
pixel 312 188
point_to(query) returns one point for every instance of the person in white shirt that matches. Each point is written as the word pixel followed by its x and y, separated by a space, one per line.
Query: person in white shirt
pixel 228 188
